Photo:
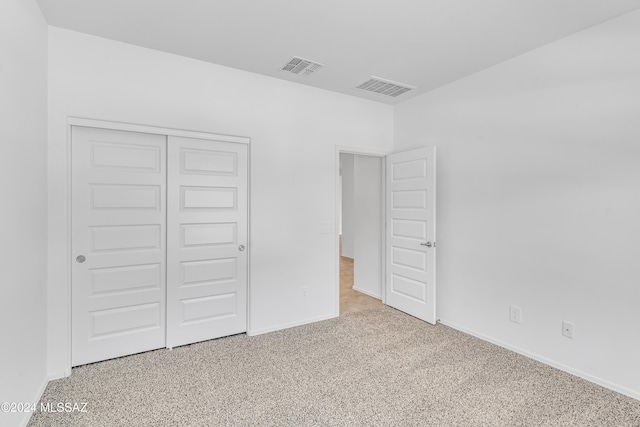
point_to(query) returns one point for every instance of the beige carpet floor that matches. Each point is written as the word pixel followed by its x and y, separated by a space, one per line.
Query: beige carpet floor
pixel 375 367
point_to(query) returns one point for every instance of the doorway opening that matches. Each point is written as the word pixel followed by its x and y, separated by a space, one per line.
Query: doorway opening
pixel 361 231
pixel 392 199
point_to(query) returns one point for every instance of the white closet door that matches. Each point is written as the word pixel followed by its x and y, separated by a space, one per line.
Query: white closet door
pixel 206 240
pixel 118 243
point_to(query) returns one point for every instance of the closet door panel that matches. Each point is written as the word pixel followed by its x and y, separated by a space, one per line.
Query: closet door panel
pixel 207 239
pixel 118 243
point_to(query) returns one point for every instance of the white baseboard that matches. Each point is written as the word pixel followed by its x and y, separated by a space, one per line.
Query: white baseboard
pixel 260 331
pixel 36 400
pixel 59 375
pixel 371 294
pixel 591 378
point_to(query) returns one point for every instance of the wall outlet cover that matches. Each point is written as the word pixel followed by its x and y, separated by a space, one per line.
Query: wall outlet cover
pixel 515 314
pixel 567 329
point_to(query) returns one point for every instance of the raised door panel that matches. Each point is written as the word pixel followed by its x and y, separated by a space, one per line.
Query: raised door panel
pixel 208 162
pixel 125 197
pixel 214 235
pixel 208 199
pixel 126 157
pixel 106 238
pixel 108 280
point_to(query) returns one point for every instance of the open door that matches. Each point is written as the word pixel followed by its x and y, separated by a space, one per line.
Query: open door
pixel 411 233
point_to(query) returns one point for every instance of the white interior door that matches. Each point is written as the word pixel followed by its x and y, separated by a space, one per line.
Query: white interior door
pixel 118 243
pixel 206 240
pixel 411 233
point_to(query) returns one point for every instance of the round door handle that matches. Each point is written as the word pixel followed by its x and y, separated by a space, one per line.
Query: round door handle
pixel 81 258
pixel 241 248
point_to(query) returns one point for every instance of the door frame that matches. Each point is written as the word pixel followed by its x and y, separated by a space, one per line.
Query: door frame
pixel 382 154
pixel 158 130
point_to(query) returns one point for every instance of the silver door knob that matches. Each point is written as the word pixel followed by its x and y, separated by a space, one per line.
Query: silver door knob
pixel 241 248
pixel 80 259
pixel 428 244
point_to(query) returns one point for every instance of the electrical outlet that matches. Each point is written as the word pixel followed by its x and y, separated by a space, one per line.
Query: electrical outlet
pixel 515 314
pixel 304 293
pixel 567 329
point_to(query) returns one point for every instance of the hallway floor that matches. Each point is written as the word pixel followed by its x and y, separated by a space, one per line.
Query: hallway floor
pixel 352 301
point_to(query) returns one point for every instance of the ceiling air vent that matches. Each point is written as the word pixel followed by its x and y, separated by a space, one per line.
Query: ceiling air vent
pixel 301 66
pixel 384 87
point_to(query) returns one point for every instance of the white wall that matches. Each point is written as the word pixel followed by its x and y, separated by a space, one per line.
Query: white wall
pixel 292 161
pixel 348 204
pixel 539 200
pixel 23 217
pixel 367 245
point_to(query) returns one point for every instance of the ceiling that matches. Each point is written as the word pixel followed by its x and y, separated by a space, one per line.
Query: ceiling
pixel 422 43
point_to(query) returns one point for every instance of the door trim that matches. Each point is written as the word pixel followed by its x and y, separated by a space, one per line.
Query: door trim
pixel 337 192
pixel 159 130
pixel 132 127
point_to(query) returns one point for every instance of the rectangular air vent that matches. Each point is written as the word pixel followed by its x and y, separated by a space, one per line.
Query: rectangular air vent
pixel 384 87
pixel 301 66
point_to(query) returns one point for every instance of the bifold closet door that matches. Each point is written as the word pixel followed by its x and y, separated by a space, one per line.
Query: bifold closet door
pixel 206 240
pixel 118 243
